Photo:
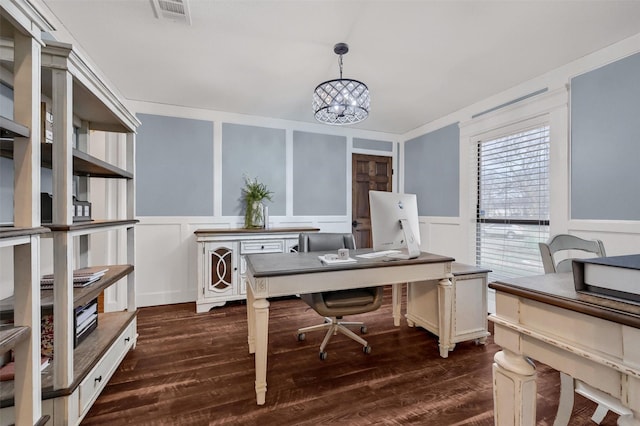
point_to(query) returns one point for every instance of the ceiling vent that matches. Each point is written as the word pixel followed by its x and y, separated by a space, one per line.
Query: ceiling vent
pixel 172 10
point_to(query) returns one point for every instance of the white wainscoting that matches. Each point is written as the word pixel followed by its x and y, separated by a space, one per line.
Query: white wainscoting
pixel 166 264
pixel 166 247
pixel 162 264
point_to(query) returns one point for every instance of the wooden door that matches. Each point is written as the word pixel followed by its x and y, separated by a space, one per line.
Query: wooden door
pixel 368 172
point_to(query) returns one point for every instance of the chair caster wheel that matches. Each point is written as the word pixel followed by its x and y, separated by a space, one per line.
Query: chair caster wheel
pixel 363 329
pixel 301 337
pixel 366 349
pixel 323 356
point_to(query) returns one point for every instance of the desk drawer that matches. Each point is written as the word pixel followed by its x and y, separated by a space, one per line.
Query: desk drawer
pixel 268 246
pixel 96 380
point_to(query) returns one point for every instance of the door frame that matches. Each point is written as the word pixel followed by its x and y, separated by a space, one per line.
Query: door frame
pixel 394 173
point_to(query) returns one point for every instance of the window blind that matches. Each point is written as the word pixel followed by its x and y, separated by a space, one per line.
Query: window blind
pixel 512 213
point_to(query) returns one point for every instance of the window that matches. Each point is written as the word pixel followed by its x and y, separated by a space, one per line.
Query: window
pixel 512 213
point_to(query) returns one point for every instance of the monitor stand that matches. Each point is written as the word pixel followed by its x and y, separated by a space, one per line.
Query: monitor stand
pixel 413 249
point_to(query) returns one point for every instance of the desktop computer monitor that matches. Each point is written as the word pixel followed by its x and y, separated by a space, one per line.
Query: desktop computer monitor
pixel 394 222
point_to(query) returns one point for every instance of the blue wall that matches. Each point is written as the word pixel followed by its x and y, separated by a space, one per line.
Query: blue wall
pixel 319 174
pixel 255 153
pixel 432 171
pixel 605 142
pixel 384 146
pixel 174 167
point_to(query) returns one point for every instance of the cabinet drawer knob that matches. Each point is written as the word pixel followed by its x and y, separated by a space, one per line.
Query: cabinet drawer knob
pixel 126 339
pixel 261 247
pixel 97 379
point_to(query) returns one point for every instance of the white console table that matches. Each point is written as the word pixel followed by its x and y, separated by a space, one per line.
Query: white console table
pixel 221 263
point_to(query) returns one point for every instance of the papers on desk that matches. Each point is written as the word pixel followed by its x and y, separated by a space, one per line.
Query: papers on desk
pixel 376 254
pixel 331 259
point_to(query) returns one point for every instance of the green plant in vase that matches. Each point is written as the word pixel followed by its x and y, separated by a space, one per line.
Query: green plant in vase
pixel 254 193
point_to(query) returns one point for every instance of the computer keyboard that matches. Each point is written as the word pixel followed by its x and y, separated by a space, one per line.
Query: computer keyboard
pixel 381 253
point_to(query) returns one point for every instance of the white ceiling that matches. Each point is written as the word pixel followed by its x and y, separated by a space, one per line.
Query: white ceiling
pixel 420 59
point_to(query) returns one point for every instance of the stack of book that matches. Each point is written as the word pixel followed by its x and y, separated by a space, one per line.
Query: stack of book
pixel 81 277
pixel 85 320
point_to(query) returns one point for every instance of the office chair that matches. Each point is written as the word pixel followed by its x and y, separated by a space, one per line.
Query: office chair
pixel 333 305
pixel 565 245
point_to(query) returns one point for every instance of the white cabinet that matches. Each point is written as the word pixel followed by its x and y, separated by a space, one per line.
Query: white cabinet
pixel 221 263
pixel 221 271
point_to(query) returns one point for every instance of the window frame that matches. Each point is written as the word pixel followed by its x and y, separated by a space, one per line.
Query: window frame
pixel 487 136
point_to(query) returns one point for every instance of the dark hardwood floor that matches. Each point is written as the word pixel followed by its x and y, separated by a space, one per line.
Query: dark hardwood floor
pixel 195 369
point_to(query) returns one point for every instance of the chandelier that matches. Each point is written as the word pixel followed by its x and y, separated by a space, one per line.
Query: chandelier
pixel 341 101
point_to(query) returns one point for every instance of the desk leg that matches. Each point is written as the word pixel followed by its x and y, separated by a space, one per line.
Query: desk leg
pixel 445 311
pixel 261 313
pixel 251 321
pixel 514 390
pixel 396 301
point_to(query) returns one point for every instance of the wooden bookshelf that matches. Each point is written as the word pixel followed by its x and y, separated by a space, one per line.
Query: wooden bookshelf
pixel 81 102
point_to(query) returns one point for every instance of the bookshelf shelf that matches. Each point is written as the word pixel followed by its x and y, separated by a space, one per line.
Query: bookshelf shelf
pixel 86 165
pixel 81 295
pixel 87 355
pixel 11 236
pixel 11 129
pixel 83 163
pixel 11 336
pixel 92 350
pixel 91 226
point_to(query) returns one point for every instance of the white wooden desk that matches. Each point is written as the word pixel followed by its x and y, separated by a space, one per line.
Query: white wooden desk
pixel 592 339
pixel 273 275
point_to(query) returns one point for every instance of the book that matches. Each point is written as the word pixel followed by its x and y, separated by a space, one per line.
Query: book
pixel 328 259
pixel 86 320
pixel 83 273
pixel 614 276
pixel 81 277
pixel 8 371
pixel 86 312
pixel 48 284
